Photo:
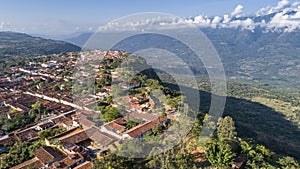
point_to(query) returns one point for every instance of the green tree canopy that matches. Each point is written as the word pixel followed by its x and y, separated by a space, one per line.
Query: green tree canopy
pixel 220 155
pixel 226 129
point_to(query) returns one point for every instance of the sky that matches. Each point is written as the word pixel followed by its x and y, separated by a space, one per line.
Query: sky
pixel 62 17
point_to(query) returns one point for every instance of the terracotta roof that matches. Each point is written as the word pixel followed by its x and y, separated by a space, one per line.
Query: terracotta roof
pixel 29 134
pixel 8 140
pixel 85 165
pixel 4 110
pixel 63 119
pixel 140 129
pixel 143 128
pixel 78 136
pixel 67 162
pixel 47 154
pixel 143 116
pixel 68 132
pixel 103 139
pixel 34 163
pixel 86 122
pixel 117 125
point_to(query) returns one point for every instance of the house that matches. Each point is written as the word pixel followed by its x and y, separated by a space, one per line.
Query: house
pixel 107 89
pixel 117 125
pixel 8 140
pixel 64 121
pixel 115 75
pixel 32 163
pixel 44 126
pixel 142 116
pixel 48 64
pixel 78 137
pixel 82 118
pixel 27 135
pixel 85 165
pixel 70 161
pixel 141 130
pixel 102 140
pixel 85 122
pixel 131 85
pixel 48 155
pixel 135 107
pixel 49 141
pixel 72 148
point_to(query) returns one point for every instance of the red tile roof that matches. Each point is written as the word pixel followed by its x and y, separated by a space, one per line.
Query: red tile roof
pixel 47 154
pixel 103 139
pixel 34 163
pixel 117 125
pixel 143 128
pixel 67 162
pixel 143 116
pixel 85 165
pixel 78 137
pixel 140 129
pixel 8 140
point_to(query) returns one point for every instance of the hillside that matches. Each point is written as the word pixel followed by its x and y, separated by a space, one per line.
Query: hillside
pixel 265 57
pixel 79 39
pixel 22 45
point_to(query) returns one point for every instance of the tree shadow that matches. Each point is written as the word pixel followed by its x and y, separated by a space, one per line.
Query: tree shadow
pixel 257 121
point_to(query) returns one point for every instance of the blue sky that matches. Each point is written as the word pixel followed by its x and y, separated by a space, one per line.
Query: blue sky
pixel 54 17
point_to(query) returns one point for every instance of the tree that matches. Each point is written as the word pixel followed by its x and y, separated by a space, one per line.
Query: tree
pixel 111 113
pixel 226 129
pixel 220 155
pixel 55 88
pixel 288 163
pixel 258 156
pixel 176 158
pixel 50 132
pixel 37 109
pixel 20 152
pixel 130 124
pixel 108 100
pixel 112 161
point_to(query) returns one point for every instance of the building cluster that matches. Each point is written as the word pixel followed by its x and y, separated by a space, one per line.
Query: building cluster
pixel 49 82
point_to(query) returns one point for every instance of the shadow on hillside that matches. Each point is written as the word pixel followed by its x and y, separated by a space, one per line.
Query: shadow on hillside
pixel 255 120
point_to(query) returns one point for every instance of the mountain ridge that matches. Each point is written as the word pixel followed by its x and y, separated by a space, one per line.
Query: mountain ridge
pixel 14 44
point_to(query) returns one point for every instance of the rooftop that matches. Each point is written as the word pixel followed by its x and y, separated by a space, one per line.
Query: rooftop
pixel 47 154
pixel 34 163
pixel 85 165
pixel 67 162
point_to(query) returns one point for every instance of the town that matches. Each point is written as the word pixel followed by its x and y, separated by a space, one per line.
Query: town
pixel 44 111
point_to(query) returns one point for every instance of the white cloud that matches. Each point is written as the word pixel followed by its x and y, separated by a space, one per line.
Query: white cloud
pixel 237 11
pixel 2 25
pixel 226 19
pixel 216 21
pixel 202 21
pixel 281 4
pixel 286 18
pixel 286 22
pixel 244 24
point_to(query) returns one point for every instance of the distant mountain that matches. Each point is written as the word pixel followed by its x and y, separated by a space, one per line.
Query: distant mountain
pixel 80 39
pixel 271 58
pixel 267 57
pixel 264 47
pixel 14 44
